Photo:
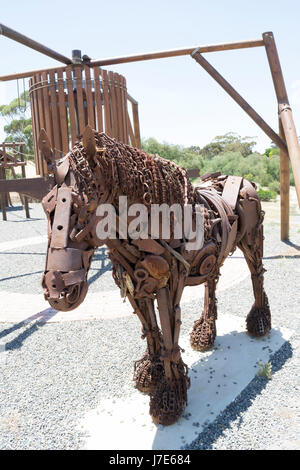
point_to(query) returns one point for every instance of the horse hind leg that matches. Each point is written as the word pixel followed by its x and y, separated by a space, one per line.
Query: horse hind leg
pixel 258 320
pixel 204 330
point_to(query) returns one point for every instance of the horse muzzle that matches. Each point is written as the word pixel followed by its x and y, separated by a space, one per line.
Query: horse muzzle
pixel 65 291
pixel 65 279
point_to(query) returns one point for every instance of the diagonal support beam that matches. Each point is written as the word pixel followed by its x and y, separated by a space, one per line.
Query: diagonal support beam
pixel 239 99
pixel 37 46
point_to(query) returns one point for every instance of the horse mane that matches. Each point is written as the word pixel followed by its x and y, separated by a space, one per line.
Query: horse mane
pixel 129 171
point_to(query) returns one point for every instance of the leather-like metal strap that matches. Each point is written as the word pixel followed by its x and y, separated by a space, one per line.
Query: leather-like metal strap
pixel 61 222
pixel 231 190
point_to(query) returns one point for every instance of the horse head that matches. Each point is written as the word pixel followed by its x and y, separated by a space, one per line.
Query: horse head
pixel 70 208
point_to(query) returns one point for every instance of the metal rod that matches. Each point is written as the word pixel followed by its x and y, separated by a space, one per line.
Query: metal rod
pixel 239 99
pixel 26 41
pixel 285 112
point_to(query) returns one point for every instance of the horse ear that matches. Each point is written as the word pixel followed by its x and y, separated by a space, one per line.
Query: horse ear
pixel 45 147
pixel 88 141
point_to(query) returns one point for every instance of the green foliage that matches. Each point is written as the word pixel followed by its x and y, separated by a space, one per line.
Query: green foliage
pixel 186 157
pixel 266 194
pixel 230 154
pixel 19 123
pixel 255 167
pixel 264 370
pixel 272 151
pixel 274 186
pixel 230 142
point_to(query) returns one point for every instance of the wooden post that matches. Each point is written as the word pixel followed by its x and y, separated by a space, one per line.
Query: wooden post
pixel 136 125
pixel 284 190
pixel 3 195
pixel 285 111
pixel 26 206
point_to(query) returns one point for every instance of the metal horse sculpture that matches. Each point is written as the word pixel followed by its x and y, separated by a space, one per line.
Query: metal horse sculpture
pixel 98 170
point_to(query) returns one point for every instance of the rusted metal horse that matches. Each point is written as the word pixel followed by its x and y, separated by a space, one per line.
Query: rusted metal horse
pixel 97 171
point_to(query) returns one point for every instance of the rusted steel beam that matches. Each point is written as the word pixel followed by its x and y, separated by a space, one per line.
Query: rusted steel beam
pixel 149 56
pixel 285 112
pixel 33 187
pixel 26 41
pixel 239 99
pixel 177 52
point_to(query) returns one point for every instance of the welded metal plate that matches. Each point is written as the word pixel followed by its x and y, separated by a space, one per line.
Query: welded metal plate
pixel 60 228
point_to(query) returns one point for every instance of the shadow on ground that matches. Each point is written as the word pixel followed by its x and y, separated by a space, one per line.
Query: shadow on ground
pixel 242 402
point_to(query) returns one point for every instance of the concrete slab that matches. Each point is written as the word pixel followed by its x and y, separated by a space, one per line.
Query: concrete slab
pixel 13 244
pixel 217 378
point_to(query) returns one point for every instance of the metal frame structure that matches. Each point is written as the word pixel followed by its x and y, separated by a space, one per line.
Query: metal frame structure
pixel 8 162
pixel 286 139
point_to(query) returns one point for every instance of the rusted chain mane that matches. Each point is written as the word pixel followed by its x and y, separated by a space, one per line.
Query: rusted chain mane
pixel 131 172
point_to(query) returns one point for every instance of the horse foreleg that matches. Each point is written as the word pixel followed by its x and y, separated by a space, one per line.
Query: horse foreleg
pixel 169 399
pixel 149 369
pixel 204 330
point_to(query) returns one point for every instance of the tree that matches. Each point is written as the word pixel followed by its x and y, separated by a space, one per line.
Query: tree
pixel 19 123
pixel 230 142
pixel 186 157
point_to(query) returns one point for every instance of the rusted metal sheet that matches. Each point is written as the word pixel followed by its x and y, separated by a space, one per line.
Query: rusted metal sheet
pixel 67 259
pixel 231 190
pixel 60 228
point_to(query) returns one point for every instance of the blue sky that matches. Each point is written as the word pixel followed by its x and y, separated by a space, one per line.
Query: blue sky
pixel 179 103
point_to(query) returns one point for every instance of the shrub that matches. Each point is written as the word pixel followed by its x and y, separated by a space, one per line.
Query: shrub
pixel 266 195
pixel 274 186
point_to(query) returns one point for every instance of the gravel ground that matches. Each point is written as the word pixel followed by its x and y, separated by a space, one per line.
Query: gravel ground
pixel 52 374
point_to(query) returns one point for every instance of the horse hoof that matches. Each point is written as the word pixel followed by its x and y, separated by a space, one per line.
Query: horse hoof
pixel 258 321
pixel 203 335
pixel 169 400
pixel 148 371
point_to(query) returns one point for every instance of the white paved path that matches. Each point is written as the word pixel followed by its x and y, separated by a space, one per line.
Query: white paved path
pixel 217 377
